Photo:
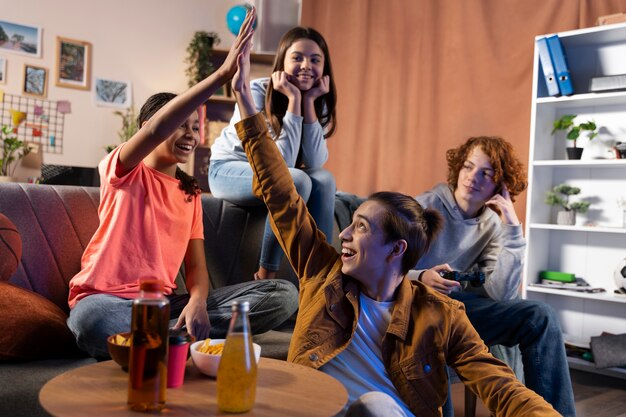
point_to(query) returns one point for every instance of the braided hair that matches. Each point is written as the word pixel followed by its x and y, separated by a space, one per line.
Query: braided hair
pixel 188 183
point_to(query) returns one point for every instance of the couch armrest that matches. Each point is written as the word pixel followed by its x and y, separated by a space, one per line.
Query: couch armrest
pixel 55 224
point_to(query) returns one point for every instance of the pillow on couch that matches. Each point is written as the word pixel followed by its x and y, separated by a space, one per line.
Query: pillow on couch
pixel 32 327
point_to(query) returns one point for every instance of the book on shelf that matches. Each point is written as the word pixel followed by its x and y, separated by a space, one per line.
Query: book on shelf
pixel 579 285
pixel 578 282
pixel 545 59
pixel 557 276
pixel 607 83
pixel 561 68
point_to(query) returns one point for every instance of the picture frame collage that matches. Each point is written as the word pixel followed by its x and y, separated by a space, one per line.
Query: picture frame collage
pixel 73 60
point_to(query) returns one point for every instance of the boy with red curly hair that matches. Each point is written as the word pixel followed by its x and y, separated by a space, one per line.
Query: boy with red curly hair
pixel 482 233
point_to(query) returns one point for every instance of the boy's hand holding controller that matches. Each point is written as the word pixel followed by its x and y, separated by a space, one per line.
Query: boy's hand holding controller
pixel 432 277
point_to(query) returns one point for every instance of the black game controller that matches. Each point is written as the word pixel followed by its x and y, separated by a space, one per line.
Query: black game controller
pixel 476 278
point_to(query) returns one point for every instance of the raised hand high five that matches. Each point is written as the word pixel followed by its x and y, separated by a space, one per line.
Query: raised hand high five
pixel 241 83
pixel 243 40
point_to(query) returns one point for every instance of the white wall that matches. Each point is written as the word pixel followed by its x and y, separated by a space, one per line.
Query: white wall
pixel 142 41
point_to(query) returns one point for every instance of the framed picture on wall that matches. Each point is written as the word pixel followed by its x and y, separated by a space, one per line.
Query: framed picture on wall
pixel 73 63
pixel 111 93
pixel 3 70
pixel 20 39
pixel 35 81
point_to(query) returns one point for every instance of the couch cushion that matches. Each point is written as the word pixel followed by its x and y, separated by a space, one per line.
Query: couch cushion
pixel 55 223
pixel 32 327
pixel 232 242
pixel 233 236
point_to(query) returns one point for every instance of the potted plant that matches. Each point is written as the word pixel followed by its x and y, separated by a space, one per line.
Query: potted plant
pixel 129 126
pixel 199 56
pixel 573 132
pixel 559 196
pixel 13 150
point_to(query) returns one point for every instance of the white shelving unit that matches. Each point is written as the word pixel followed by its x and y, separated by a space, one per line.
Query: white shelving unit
pixel 593 247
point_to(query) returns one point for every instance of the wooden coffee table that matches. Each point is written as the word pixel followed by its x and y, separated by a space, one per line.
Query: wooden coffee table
pixel 283 389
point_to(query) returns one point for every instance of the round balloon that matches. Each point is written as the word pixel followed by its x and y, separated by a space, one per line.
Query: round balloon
pixel 235 18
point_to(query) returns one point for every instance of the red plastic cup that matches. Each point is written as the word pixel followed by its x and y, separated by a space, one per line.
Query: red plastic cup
pixel 177 358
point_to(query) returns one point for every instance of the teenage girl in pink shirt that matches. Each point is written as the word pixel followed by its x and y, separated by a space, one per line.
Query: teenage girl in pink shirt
pixel 151 222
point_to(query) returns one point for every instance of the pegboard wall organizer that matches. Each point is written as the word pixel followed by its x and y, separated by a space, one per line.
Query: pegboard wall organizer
pixel 35 120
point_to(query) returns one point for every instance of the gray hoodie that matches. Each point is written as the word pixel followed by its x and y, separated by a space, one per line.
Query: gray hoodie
pixel 483 243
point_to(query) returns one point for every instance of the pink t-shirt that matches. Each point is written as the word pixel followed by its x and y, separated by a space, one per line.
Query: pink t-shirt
pixel 146 222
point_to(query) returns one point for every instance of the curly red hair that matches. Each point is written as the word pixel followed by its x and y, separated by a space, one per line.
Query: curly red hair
pixel 508 169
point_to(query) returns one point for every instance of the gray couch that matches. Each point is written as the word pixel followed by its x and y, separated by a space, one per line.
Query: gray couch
pixel 55 224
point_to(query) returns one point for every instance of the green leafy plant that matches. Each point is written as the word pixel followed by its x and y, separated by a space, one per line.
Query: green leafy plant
pixel 566 123
pixel 559 196
pixel 199 52
pixel 13 150
pixel 129 126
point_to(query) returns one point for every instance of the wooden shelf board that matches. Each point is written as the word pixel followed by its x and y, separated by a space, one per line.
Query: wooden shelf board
pixel 583 365
pixel 255 57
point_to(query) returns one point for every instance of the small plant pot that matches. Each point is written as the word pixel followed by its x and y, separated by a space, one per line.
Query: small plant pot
pixel 574 153
pixel 566 218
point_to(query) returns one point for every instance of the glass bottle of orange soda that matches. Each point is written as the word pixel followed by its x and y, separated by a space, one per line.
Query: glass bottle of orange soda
pixel 147 370
pixel 237 371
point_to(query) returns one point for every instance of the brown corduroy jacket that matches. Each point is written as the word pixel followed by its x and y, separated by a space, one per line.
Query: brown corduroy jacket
pixel 427 330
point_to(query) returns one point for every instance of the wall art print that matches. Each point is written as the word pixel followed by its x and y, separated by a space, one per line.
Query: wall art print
pixel 20 39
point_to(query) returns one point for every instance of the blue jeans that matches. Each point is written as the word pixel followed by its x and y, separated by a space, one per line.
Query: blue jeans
pixel 96 317
pixel 232 181
pixel 534 327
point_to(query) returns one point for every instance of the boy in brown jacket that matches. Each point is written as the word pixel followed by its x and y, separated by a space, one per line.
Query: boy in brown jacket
pixel 387 339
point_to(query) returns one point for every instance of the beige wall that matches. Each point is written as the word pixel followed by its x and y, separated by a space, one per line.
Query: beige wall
pixel 142 41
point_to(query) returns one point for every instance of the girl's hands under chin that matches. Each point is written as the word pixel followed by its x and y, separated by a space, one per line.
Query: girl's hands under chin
pixel 321 87
pixel 282 84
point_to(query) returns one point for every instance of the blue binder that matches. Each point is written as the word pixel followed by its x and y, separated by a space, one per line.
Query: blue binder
pixel 546 65
pixel 560 65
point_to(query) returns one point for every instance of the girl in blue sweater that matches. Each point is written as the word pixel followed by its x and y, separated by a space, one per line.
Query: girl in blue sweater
pixel 298 102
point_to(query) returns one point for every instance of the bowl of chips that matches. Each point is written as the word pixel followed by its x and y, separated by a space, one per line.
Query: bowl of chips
pixel 119 349
pixel 206 355
pixel 119 345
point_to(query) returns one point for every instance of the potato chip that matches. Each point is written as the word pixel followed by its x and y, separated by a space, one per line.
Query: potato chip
pixel 206 347
pixel 121 340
